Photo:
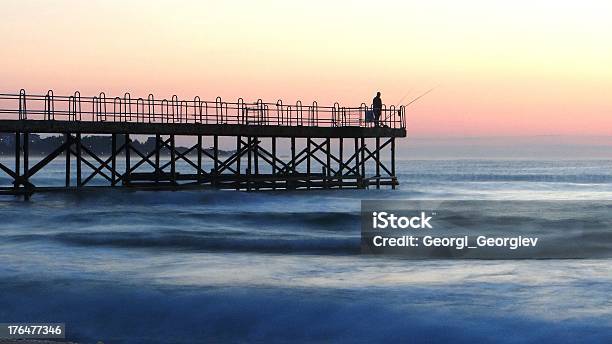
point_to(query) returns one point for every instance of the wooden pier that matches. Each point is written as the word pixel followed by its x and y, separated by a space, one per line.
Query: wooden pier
pixel 272 145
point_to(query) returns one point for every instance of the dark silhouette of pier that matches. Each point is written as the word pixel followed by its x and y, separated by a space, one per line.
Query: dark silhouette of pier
pixel 273 145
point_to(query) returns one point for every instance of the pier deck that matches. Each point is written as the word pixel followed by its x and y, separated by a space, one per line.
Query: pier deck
pixel 271 145
pixel 192 129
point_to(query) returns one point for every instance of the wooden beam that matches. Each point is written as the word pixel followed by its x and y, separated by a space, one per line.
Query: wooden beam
pixel 103 164
pixel 48 158
pixel 7 170
pixel 93 167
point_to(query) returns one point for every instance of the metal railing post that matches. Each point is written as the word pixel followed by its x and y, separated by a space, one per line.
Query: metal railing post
pixel 127 106
pixel 151 107
pixel 49 112
pixel 23 113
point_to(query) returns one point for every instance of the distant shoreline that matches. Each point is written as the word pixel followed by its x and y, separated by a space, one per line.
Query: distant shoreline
pixel 99 145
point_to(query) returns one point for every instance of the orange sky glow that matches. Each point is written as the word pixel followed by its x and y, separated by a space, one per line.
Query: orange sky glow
pixel 500 68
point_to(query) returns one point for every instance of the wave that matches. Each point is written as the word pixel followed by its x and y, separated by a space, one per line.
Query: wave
pixel 204 241
pixel 524 223
pixel 330 221
pixel 256 220
pixel 333 233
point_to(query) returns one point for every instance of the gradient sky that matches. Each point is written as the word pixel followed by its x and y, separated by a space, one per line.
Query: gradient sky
pixel 502 68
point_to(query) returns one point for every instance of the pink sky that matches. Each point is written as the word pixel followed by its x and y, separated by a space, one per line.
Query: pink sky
pixel 501 68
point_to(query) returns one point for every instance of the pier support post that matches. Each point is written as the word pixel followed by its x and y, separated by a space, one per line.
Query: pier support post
pixel 17 158
pixel 216 158
pixel 359 181
pixel 308 156
pixel 128 166
pixel 341 158
pixel 249 163
pixel 290 184
pixel 238 158
pixel 377 162
pixel 393 177
pixel 328 162
pixel 363 145
pixel 26 164
pixel 293 167
pixel 157 153
pixel 172 160
pixel 274 161
pixel 114 159
pixel 67 138
pixel 199 159
pixel 78 157
pixel 256 160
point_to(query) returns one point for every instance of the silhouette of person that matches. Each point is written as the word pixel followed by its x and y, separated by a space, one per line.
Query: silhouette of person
pixel 377 108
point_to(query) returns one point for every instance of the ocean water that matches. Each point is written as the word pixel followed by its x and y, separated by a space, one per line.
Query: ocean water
pixel 126 266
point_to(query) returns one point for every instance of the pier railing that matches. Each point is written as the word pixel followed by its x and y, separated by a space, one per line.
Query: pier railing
pixel 103 108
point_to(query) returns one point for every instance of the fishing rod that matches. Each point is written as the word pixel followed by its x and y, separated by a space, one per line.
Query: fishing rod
pixel 419 97
pixel 412 101
pixel 404 97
